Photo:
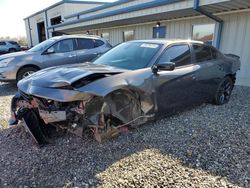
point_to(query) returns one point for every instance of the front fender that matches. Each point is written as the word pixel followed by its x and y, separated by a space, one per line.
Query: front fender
pixel 139 79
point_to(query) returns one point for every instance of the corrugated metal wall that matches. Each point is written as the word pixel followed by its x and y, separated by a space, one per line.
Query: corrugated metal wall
pixel 180 5
pixel 60 10
pixel 33 26
pixel 236 40
pixel 73 8
pixel 56 11
pixel 175 29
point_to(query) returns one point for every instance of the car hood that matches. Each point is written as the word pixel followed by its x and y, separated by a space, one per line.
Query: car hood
pixel 76 75
pixel 16 54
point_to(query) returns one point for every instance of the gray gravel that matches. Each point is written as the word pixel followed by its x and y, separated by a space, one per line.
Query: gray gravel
pixel 208 146
pixel 7 90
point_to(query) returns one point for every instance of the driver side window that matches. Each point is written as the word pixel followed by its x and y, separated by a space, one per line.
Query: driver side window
pixel 178 54
pixel 62 46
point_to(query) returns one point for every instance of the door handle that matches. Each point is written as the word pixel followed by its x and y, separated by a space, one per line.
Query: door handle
pixel 221 67
pixel 191 77
pixel 71 55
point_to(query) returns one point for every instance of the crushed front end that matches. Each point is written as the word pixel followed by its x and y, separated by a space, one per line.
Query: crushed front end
pixel 73 116
pixel 76 98
pixel 102 115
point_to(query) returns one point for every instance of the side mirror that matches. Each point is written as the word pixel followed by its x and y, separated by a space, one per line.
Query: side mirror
pixel 166 66
pixel 49 51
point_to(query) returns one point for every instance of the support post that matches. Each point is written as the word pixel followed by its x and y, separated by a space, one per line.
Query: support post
pixel 199 9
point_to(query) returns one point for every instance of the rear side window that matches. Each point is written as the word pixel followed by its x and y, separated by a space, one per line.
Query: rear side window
pixel 98 43
pixel 178 54
pixel 85 44
pixel 13 42
pixel 215 53
pixel 2 43
pixel 202 53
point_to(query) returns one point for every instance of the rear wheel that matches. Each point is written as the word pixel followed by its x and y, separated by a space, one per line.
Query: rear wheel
pixel 224 91
pixel 24 72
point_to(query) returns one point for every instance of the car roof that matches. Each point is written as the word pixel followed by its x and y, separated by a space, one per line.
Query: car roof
pixel 7 41
pixel 77 36
pixel 169 41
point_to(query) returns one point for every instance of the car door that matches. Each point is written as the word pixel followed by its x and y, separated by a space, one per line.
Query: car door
pixel 61 53
pixel 175 89
pixel 209 74
pixel 86 50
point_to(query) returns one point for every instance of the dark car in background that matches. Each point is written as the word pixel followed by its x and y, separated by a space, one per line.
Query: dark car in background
pixel 133 83
pixel 9 46
pixel 60 50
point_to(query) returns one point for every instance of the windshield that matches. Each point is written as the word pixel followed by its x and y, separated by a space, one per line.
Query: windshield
pixel 130 55
pixel 42 46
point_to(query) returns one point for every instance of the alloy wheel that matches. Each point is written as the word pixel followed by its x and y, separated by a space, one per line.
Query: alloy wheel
pixel 27 73
pixel 225 91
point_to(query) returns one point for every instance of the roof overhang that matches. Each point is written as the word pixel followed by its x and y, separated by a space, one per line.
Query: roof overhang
pixel 130 21
pixel 103 20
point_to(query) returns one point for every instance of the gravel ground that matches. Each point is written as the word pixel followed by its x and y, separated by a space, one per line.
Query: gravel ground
pixel 6 92
pixel 208 146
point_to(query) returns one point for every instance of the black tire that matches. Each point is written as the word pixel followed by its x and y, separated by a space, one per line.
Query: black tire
pixel 12 50
pixel 224 91
pixel 22 73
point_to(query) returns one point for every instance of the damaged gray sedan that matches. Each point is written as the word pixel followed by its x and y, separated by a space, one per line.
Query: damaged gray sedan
pixel 131 84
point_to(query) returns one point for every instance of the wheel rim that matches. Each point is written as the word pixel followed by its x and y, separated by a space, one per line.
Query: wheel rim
pixel 225 92
pixel 27 74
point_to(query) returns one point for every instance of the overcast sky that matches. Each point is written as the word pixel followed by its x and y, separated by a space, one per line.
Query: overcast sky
pixel 12 13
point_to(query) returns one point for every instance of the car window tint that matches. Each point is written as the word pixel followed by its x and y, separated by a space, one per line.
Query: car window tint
pixel 178 54
pixel 13 42
pixel 2 43
pixel 63 46
pixel 98 43
pixel 215 53
pixel 129 55
pixel 202 53
pixel 85 44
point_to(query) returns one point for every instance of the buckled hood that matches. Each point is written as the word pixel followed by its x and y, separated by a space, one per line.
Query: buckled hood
pixel 68 75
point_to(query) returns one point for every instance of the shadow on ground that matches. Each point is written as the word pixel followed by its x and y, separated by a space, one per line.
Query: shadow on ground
pixel 7 89
pixel 203 147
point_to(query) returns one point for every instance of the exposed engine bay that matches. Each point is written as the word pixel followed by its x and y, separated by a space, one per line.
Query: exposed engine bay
pixel 104 116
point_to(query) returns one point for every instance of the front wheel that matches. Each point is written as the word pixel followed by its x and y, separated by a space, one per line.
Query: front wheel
pixel 24 72
pixel 224 91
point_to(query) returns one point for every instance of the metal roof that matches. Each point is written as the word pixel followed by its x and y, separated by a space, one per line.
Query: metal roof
pixel 138 20
pixel 98 8
pixel 132 8
pixel 227 6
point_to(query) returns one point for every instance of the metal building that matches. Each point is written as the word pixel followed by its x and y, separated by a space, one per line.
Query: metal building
pixel 223 23
pixel 37 24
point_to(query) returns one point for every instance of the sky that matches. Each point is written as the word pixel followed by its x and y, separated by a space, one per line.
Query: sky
pixel 12 13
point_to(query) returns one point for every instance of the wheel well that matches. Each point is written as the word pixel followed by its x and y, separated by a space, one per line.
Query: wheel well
pixel 25 66
pixel 232 76
pixel 126 90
